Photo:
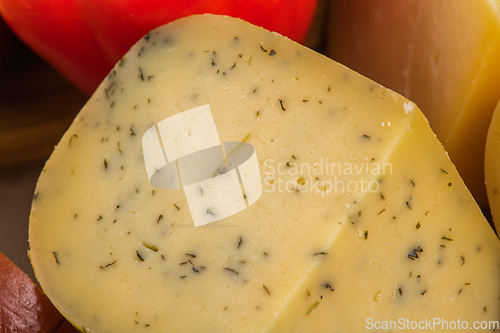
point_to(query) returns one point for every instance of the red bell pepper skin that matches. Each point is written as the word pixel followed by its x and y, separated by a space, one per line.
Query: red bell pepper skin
pixel 83 39
pixel 57 30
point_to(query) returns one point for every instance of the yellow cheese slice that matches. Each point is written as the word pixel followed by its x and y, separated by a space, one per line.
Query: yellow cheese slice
pixel 359 216
pixel 443 55
pixel 492 166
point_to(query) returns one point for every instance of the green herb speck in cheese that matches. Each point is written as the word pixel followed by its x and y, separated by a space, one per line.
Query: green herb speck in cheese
pixel 366 234
pixel 174 205
pixel 282 107
pixel 463 260
pixel 447 238
pixel 234 65
pixel 400 292
pixel 366 136
pixel 418 225
pixel 105 164
pixel 112 263
pixel 383 210
pixel 141 75
pixel 263 49
pixel 446 172
pixel 414 255
pixel 240 242
pixel 231 270
pixel 190 255
pixel 71 139
pixel 272 52
pixel 423 292
pixel 54 253
pixel 265 288
pixel 210 211
pixel 322 253
pixel 159 219
pixel 408 204
pixel 382 196
pixel 449 184
pixel 139 256
pixel 412 183
pixel 312 307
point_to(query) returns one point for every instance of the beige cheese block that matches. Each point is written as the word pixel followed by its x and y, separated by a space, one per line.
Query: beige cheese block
pixel 492 166
pixel 443 55
pixel 362 217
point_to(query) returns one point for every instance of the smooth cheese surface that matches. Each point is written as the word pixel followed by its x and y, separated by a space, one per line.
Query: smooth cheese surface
pixel 362 215
pixel 492 166
pixel 443 55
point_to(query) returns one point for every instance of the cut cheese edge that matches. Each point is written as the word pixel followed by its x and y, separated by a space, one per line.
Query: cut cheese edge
pixel 362 215
pixel 443 55
pixel 492 166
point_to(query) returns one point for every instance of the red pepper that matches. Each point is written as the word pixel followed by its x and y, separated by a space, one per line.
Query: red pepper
pixel 83 39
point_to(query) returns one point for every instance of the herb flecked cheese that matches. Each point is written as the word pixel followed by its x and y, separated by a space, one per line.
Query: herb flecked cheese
pixel 362 215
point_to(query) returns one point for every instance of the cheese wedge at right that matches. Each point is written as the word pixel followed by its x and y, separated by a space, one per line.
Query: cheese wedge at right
pixel 441 54
pixel 335 208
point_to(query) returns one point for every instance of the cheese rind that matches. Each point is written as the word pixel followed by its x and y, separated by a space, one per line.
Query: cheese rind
pixel 348 172
pixel 492 166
